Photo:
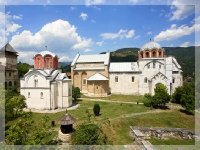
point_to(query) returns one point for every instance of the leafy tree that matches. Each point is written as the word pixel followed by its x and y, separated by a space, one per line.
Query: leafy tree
pixel 18 103
pixel 188 101
pixel 96 109
pixel 2 112
pixel 23 68
pixel 76 93
pixel 176 96
pixel 161 96
pixel 148 100
pixel 88 134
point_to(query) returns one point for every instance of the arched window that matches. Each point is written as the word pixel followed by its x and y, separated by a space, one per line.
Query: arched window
pixel 10 83
pixel 147 54
pixel 154 65
pixel 145 80
pixel 173 80
pixel 154 54
pixel 116 79
pixel 133 78
pixel 160 54
pixel 48 63
pixel 38 63
pixel 160 66
pixel 29 94
pixel 41 95
pixel 36 82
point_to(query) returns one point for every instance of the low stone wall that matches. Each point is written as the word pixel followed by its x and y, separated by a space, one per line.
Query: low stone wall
pixel 161 133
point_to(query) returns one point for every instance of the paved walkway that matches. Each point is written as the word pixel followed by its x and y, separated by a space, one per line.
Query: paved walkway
pixel 112 101
pixel 74 106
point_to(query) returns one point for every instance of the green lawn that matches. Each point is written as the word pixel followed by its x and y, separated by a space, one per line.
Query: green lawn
pixel 116 97
pixel 118 129
pixel 171 141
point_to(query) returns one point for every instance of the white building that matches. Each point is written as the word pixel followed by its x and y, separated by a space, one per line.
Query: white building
pixel 44 86
pixel 151 69
pixel 138 78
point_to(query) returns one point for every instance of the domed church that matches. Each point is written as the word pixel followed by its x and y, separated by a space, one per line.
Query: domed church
pixel 136 78
pixel 44 86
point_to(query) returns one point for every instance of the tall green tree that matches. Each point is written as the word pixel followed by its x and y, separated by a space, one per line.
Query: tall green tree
pixel 18 103
pixel 76 93
pixel 161 96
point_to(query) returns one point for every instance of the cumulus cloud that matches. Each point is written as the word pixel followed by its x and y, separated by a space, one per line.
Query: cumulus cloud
pixel 83 16
pixel 186 44
pixel 58 35
pixel 87 50
pixel 19 17
pixel 137 37
pixel 93 2
pixel 64 59
pixel 121 34
pixel 175 32
pixel 100 43
pixel 181 9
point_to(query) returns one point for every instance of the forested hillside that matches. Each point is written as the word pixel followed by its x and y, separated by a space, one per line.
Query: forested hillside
pixel 184 56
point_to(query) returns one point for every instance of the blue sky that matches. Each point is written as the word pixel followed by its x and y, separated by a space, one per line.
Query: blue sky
pixel 91 29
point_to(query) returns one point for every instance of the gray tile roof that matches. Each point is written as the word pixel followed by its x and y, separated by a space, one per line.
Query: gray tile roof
pixel 124 67
pixel 8 48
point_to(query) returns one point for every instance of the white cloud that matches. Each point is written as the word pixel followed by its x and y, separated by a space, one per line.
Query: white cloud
pixel 186 44
pixel 15 17
pixel 133 1
pixel 83 16
pixel 181 10
pixel 149 33
pixel 65 59
pixel 57 35
pixel 26 56
pixel 93 2
pixel 137 37
pixel 73 8
pixel 93 21
pixel 175 32
pixel 121 34
pixel 100 43
pixel 87 50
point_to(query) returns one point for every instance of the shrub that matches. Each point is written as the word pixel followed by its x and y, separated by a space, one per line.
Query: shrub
pixel 147 100
pixel 76 93
pixel 96 109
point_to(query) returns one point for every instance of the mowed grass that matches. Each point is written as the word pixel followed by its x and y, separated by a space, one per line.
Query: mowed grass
pixel 117 130
pixel 171 141
pixel 116 97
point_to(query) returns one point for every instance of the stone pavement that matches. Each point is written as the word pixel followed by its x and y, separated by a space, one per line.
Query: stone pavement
pixel 74 106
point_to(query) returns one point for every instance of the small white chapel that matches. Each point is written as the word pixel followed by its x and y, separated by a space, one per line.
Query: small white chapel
pixel 44 86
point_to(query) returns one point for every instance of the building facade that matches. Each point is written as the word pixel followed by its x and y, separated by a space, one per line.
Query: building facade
pixel 137 78
pixel 8 66
pixel 44 86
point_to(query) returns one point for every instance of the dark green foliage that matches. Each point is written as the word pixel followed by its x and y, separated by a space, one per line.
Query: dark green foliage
pixel 76 93
pixel 23 69
pixel 185 96
pixel 23 133
pixel 88 134
pixel 96 109
pixel 161 96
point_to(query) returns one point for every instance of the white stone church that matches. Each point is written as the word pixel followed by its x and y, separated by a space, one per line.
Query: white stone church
pixel 44 86
pixel 95 75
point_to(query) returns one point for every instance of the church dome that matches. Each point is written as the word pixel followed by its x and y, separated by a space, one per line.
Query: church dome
pixel 43 53
pixel 150 45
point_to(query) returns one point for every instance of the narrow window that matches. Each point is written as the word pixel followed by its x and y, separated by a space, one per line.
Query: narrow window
pixel 10 83
pixel 154 54
pixel 145 80
pixel 9 74
pixel 38 63
pixel 116 79
pixel 41 95
pixel 29 94
pixel 147 54
pixel 36 83
pixel 133 79
pixel 160 54
pixel 48 66
pixel 160 66
pixel 84 81
pixel 154 65
pixel 148 66
pixel 97 87
pixel 173 80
